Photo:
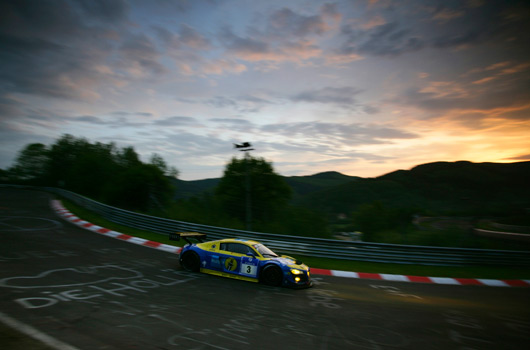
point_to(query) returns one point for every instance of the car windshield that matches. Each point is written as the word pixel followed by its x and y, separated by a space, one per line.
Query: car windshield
pixel 264 251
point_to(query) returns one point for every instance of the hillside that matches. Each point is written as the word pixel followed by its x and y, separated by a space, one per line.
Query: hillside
pixel 187 189
pixel 443 188
pixel 304 185
pixel 301 185
pixel 439 188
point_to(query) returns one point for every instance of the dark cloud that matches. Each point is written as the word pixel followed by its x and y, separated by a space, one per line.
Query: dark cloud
pixel 186 38
pixel 242 104
pixel 502 90
pixel 124 113
pixel 287 21
pixel 286 37
pixel 176 121
pixel 390 39
pixel 140 54
pixel 243 45
pixel 231 123
pixel 9 108
pixel 335 95
pixel 115 120
pixel 190 37
pixel 37 66
pixel 104 10
pixel 441 25
pixel 51 48
pixel 523 157
pixel 90 119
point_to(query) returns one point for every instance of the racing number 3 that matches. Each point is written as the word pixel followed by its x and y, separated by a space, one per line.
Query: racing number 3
pixel 249 269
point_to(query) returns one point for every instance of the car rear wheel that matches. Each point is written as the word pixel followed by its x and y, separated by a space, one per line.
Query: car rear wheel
pixel 271 275
pixel 190 261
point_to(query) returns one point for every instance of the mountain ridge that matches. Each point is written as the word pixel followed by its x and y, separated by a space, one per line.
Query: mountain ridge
pixel 451 187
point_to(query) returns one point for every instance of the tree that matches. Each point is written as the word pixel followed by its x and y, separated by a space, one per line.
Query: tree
pixel 100 171
pixel 373 217
pixel 31 163
pixel 250 188
pixel 161 164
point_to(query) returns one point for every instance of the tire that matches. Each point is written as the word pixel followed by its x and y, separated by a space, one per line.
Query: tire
pixel 271 275
pixel 190 261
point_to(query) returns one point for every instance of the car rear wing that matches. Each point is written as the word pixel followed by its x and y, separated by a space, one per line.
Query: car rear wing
pixel 186 236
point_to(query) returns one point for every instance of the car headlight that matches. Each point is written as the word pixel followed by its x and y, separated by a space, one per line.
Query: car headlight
pixel 296 272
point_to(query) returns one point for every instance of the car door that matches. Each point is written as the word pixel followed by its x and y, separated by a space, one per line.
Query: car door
pixel 234 259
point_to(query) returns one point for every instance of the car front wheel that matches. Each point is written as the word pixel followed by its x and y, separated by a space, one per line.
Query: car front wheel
pixel 271 275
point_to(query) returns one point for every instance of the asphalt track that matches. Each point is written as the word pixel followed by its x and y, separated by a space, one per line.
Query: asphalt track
pixel 82 290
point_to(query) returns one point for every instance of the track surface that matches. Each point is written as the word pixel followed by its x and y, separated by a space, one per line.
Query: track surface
pixel 93 292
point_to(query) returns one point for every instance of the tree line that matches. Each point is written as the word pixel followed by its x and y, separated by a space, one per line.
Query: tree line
pixel 250 195
pixel 103 172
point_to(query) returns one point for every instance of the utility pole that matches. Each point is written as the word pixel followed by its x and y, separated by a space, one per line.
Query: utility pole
pixel 247 147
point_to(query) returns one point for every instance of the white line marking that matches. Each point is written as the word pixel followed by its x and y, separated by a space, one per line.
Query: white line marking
pixel 34 333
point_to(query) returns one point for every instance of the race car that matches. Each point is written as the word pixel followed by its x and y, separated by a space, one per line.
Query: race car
pixel 241 259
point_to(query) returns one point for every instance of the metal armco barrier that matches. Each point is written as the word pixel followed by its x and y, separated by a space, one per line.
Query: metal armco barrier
pixel 308 246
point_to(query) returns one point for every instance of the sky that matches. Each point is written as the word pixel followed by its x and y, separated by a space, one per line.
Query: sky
pixel 363 87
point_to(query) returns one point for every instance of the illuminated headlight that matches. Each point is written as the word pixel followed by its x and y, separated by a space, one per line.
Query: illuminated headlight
pixel 296 272
pixel 297 279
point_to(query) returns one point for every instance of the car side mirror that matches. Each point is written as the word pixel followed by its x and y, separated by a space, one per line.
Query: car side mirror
pixel 251 254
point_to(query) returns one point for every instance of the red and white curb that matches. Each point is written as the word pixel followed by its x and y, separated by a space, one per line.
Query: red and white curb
pixel 423 279
pixel 63 212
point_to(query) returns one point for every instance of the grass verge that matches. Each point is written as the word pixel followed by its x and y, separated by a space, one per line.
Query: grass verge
pixel 491 272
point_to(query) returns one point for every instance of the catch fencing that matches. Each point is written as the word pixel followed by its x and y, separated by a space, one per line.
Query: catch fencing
pixel 309 246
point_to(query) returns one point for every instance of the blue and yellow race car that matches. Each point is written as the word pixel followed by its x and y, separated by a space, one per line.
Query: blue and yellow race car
pixel 241 259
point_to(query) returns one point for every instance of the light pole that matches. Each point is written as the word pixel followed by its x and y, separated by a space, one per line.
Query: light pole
pixel 247 147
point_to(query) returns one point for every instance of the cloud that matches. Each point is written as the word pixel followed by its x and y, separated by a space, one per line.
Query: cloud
pixel 344 96
pixel 222 66
pixel 335 134
pixel 243 104
pixel 524 157
pixel 190 37
pixel 138 56
pixel 497 90
pixel 373 22
pixel 233 123
pixel 445 14
pixel 186 38
pixel 177 121
pixel 388 39
pixel 125 113
pixel 288 37
pixel 51 49
pixel 398 30
pixel 286 22
pixel 90 119
pixel 247 48
pixel 105 11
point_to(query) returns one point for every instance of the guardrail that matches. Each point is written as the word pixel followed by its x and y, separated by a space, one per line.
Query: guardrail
pixel 309 246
